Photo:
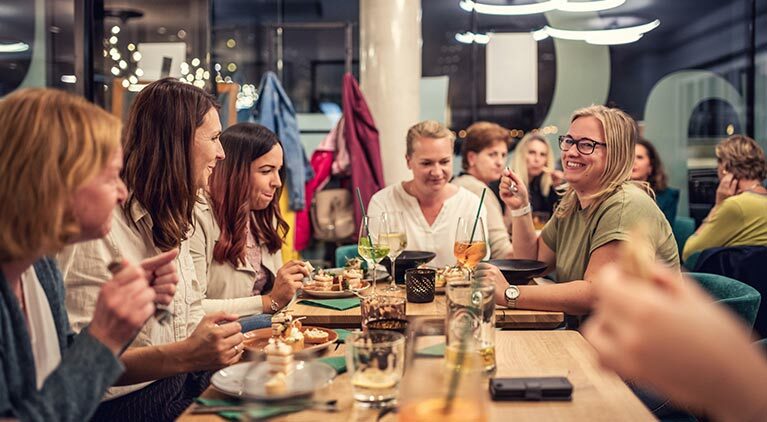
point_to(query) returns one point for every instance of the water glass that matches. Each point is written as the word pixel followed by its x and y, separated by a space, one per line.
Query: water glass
pixel 470 323
pixel 376 361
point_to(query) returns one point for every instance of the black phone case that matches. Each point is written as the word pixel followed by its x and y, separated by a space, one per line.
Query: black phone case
pixel 531 389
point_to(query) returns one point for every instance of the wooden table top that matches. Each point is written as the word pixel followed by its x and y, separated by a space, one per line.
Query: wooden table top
pixel 598 395
pixel 504 318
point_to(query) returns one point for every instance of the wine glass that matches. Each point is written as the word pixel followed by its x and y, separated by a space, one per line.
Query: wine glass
pixel 372 244
pixel 396 238
pixel 470 244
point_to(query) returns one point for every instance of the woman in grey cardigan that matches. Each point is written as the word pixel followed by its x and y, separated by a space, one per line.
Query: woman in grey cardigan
pixel 59 163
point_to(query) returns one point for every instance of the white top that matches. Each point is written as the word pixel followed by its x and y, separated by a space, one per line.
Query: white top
pixel 438 237
pixel 84 267
pixel 42 330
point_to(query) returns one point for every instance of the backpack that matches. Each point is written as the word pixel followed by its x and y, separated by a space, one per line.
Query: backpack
pixel 333 215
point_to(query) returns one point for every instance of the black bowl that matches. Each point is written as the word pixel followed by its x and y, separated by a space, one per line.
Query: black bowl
pixel 519 271
pixel 407 260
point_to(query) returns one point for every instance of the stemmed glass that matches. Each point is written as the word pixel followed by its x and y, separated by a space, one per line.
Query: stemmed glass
pixel 372 244
pixel 396 238
pixel 470 250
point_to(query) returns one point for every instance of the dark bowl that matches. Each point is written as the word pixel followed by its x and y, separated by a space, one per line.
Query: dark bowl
pixel 407 260
pixel 519 271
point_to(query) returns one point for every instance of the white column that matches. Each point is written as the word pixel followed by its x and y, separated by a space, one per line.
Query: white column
pixel 390 75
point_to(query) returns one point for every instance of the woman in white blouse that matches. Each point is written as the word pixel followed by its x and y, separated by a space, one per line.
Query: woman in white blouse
pixel 430 205
pixel 239 228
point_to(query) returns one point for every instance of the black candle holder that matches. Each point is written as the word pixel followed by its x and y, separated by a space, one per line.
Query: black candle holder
pixel 420 284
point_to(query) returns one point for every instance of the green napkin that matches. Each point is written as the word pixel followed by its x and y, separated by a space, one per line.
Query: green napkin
pixel 262 412
pixel 337 362
pixel 342 334
pixel 436 350
pixel 337 304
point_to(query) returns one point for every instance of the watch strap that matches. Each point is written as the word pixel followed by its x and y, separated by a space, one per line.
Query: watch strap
pixel 527 209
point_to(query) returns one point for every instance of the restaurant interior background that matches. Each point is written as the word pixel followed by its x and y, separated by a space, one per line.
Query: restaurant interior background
pixel 696 78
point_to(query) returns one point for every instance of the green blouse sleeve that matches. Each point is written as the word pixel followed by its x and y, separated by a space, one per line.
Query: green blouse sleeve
pixel 717 231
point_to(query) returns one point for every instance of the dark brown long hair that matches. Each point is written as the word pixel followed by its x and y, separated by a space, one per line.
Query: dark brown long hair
pixel 157 144
pixel 230 188
pixel 658 180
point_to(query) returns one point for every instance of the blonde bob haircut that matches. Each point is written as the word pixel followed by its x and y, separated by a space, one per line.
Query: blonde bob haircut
pixel 743 157
pixel 519 161
pixel 620 136
pixel 427 129
pixel 52 143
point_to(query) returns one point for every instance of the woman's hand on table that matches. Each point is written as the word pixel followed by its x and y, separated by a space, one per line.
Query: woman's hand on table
pixel 162 275
pixel 214 344
pixel 490 271
pixel 513 192
pixel 671 336
pixel 124 304
pixel 287 281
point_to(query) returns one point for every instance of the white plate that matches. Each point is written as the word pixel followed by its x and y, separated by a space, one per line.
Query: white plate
pixel 334 294
pixel 381 273
pixel 247 380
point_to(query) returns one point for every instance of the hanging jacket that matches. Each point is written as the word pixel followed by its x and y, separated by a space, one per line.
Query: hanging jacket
pixel 275 111
pixel 362 142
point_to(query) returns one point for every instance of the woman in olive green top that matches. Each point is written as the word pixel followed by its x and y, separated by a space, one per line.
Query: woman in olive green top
pixel 598 211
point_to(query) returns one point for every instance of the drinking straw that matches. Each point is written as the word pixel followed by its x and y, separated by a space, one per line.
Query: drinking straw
pixel 456 377
pixel 476 219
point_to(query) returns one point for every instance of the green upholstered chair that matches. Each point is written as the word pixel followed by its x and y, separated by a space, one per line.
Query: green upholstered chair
pixel 683 228
pixel 346 252
pixel 740 297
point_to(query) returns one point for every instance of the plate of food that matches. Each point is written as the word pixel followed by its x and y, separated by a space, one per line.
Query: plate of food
pixel 273 381
pixel 445 275
pixel 290 331
pixel 336 283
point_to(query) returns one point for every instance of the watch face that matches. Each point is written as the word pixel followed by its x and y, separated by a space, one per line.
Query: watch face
pixel 512 293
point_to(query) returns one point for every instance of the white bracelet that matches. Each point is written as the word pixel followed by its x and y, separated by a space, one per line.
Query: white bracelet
pixel 522 211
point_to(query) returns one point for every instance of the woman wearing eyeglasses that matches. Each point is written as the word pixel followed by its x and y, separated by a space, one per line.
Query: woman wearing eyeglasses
pixel 596 214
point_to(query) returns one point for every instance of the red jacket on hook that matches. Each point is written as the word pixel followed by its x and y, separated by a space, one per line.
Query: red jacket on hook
pixel 362 141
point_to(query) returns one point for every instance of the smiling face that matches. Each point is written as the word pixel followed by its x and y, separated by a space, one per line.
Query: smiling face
pixel 584 172
pixel 642 166
pixel 537 157
pixel 206 148
pixel 431 163
pixel 487 165
pixel 265 178
pixel 93 202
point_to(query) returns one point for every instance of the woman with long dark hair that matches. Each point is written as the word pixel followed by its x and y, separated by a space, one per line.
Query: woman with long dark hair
pixel 239 228
pixel 648 167
pixel 171 147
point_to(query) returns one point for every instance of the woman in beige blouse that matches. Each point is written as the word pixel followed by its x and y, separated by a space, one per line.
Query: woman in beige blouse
pixel 239 230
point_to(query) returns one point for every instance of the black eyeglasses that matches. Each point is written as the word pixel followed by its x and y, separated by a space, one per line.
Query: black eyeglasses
pixel 584 145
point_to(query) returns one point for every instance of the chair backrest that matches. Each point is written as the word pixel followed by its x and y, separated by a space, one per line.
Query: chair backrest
pixel 344 253
pixel 743 299
pixel 683 228
pixel 744 263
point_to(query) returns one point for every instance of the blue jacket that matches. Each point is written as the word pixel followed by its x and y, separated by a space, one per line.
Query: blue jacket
pixel 74 389
pixel 275 111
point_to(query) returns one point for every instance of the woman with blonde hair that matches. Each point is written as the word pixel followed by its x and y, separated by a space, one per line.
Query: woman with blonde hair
pixel 484 154
pixel 533 161
pixel 596 214
pixel 430 205
pixel 59 163
pixel 739 217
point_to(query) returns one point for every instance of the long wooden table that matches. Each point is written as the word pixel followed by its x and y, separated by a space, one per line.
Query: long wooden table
pixel 504 318
pixel 598 395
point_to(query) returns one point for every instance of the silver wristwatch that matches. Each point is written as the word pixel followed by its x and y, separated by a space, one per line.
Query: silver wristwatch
pixel 511 294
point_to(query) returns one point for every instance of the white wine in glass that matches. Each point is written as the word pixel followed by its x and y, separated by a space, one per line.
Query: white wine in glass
pixel 371 245
pixel 396 238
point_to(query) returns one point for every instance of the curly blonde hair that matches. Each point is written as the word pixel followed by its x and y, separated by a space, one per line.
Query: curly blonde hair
pixel 621 137
pixel 742 157
pixel 53 142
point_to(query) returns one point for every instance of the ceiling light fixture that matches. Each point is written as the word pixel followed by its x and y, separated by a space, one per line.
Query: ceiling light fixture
pixel 14 47
pixel 470 37
pixel 613 36
pixel 540 7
